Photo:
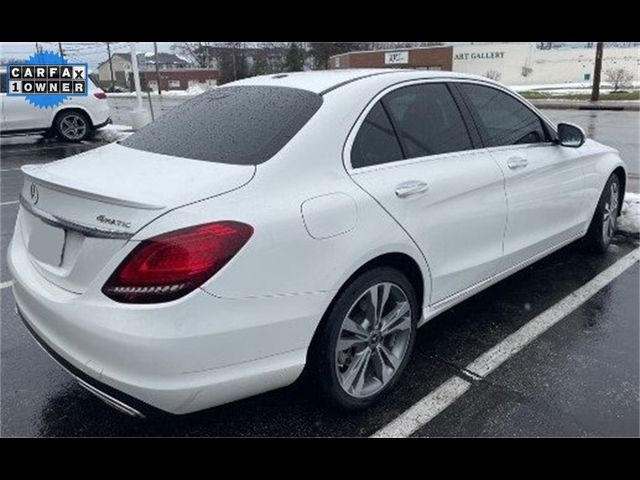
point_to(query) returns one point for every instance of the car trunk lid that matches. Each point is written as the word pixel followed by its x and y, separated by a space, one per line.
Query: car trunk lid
pixel 78 212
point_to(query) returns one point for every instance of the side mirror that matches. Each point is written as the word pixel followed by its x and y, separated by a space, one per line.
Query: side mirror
pixel 570 135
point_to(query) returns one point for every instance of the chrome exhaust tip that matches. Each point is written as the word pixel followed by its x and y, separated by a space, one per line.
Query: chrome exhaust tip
pixel 112 402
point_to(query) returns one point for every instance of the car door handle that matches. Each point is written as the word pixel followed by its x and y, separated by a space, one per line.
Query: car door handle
pixel 516 163
pixel 411 189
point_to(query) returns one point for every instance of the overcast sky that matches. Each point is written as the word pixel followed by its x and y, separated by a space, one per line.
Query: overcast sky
pixel 91 52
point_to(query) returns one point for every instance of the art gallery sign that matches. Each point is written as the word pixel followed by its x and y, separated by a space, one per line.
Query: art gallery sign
pixel 478 55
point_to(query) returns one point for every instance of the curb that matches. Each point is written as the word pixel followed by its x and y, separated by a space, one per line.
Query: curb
pixel 610 105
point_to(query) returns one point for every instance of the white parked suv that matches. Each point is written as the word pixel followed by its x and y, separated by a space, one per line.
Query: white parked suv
pixel 72 121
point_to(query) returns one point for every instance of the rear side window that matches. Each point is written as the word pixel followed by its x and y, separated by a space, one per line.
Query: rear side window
pixel 428 120
pixel 506 120
pixel 376 142
pixel 243 125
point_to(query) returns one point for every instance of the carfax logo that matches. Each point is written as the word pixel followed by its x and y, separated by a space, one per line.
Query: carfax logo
pixel 47 79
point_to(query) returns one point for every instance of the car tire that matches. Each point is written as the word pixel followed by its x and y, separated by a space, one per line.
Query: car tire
pixel 357 377
pixel 603 224
pixel 72 126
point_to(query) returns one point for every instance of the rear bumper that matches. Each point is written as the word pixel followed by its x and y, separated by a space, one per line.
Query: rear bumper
pixel 116 399
pixel 99 112
pixel 108 121
pixel 179 357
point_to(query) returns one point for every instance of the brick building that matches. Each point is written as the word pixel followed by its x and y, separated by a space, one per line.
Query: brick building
pixel 178 79
pixel 427 58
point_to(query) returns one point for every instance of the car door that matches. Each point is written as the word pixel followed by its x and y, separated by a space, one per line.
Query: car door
pixel 544 182
pixel 414 154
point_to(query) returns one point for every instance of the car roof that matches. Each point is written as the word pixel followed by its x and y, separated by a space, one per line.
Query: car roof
pixel 323 81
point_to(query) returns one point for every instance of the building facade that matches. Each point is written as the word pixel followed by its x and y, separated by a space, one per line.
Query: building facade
pixel 178 79
pixel 428 58
pixel 121 63
pixel 509 63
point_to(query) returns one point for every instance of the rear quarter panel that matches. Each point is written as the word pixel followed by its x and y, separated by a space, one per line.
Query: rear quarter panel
pixel 282 257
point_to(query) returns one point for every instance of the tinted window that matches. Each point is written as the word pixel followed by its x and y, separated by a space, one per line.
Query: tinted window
pixel 3 84
pixel 427 120
pixel 243 125
pixel 376 141
pixel 506 120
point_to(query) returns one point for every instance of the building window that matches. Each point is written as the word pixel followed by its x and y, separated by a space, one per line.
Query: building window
pixel 587 76
pixel 174 83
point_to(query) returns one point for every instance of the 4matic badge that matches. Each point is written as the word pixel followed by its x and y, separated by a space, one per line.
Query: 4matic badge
pixel 46 79
pixel 113 221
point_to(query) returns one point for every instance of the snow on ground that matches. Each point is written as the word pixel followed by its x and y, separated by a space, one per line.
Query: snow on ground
pixel 629 220
pixel 113 133
pixel 579 87
pixel 189 92
pixel 193 90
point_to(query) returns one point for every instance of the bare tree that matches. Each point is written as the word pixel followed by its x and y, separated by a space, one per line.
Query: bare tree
pixel 392 45
pixel 199 53
pixel 321 51
pixel 619 78
pixel 493 75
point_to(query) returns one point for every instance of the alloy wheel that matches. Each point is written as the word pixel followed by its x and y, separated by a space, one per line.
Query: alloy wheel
pixel 610 214
pixel 73 126
pixel 373 340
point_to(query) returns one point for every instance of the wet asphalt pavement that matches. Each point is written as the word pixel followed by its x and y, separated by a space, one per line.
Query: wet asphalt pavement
pixel 580 378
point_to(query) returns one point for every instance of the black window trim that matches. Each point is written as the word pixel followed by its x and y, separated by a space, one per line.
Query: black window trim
pixel 546 126
pixel 474 136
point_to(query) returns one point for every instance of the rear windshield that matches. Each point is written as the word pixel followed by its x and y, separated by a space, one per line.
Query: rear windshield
pixel 243 125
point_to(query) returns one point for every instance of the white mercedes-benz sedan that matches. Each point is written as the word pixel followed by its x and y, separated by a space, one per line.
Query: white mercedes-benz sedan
pixel 295 221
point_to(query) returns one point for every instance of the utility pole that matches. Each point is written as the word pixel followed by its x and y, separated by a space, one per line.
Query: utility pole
pixel 113 83
pixel 233 47
pixel 139 116
pixel 38 50
pixel 136 75
pixel 60 49
pixel 597 69
pixel 155 49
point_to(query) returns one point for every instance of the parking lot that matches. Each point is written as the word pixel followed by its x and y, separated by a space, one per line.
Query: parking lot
pixel 579 376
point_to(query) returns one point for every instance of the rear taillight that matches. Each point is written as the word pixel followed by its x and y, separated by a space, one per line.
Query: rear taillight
pixel 100 95
pixel 169 266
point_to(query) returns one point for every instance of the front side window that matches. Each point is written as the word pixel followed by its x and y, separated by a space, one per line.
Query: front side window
pixel 427 120
pixel 506 120
pixel 376 142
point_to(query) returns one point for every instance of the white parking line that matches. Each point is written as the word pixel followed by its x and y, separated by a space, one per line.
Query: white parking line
pixel 425 410
pixel 9 169
pixel 8 203
pixel 4 285
pixel 446 394
pixel 492 359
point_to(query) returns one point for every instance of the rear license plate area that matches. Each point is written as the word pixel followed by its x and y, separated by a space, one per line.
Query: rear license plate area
pixel 46 243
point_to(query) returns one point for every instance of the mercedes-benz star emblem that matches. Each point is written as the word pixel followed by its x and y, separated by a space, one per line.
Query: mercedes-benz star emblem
pixel 35 195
